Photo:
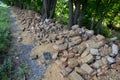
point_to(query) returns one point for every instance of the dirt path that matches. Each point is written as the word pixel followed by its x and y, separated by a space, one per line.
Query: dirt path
pixel 21 54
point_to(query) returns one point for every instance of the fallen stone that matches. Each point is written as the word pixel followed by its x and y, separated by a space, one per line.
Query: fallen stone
pixel 84 37
pixel 80 71
pixel 90 33
pixel 56 47
pixel 68 69
pixel 113 39
pixel 63 59
pixel 19 39
pixel 63 65
pixel 100 37
pixel 54 56
pixel 82 47
pixel 72 63
pixel 64 73
pixel 59 42
pixel 110 59
pixel 98 64
pixel 116 66
pixel 85 53
pixel 95 78
pixel 74 27
pixel 87 59
pixel 75 38
pixel 71 55
pixel 94 51
pixel 91 44
pixel 105 50
pixel 104 60
pixel 114 49
pixel 34 57
pixel 87 68
pixel 98 57
pixel 63 46
pixel 75 76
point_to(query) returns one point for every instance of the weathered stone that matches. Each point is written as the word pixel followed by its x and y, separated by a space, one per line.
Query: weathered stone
pixel 63 46
pixel 110 59
pixel 71 44
pixel 75 38
pixel 98 57
pixel 68 69
pixel 82 47
pixel 71 54
pixel 98 64
pixel 91 44
pixel 75 76
pixel 19 39
pixel 84 37
pixel 116 66
pixel 74 27
pixel 72 33
pixel 114 49
pixel 105 50
pixel 34 57
pixel 94 51
pixel 87 59
pixel 64 73
pixel 105 67
pixel 85 53
pixel 100 37
pixel 113 39
pixel 72 62
pixel 65 53
pixel 63 65
pixel 56 47
pixel 64 59
pixel 104 60
pixel 100 44
pixel 90 33
pixel 59 42
pixel 87 68
pixel 79 70
pixel 54 56
pixel 95 78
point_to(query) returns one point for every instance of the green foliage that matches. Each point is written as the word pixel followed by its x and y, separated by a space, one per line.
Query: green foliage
pixel 4 30
pixel 62 11
pixel 6 69
pixel 22 71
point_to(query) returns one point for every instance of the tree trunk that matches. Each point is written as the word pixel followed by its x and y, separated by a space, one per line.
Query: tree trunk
pixel 84 6
pixel 70 14
pixel 93 22
pixel 45 9
pixel 48 9
pixel 53 5
pixel 21 4
pixel 96 11
pixel 77 10
pixel 98 26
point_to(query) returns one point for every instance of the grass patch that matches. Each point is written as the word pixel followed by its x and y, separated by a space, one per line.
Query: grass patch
pixel 4 30
pixel 5 62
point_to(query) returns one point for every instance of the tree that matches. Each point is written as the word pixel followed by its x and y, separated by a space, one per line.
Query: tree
pixel 48 9
pixel 76 15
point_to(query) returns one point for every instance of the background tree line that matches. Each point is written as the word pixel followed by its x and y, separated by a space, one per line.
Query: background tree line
pixel 99 15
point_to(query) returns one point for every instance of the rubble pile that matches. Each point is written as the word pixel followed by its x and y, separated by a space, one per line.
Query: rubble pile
pixel 81 55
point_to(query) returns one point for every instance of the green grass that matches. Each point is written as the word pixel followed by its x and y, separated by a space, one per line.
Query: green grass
pixel 4 30
pixel 5 62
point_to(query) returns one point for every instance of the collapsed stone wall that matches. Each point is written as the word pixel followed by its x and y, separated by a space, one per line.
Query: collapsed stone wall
pixel 81 55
